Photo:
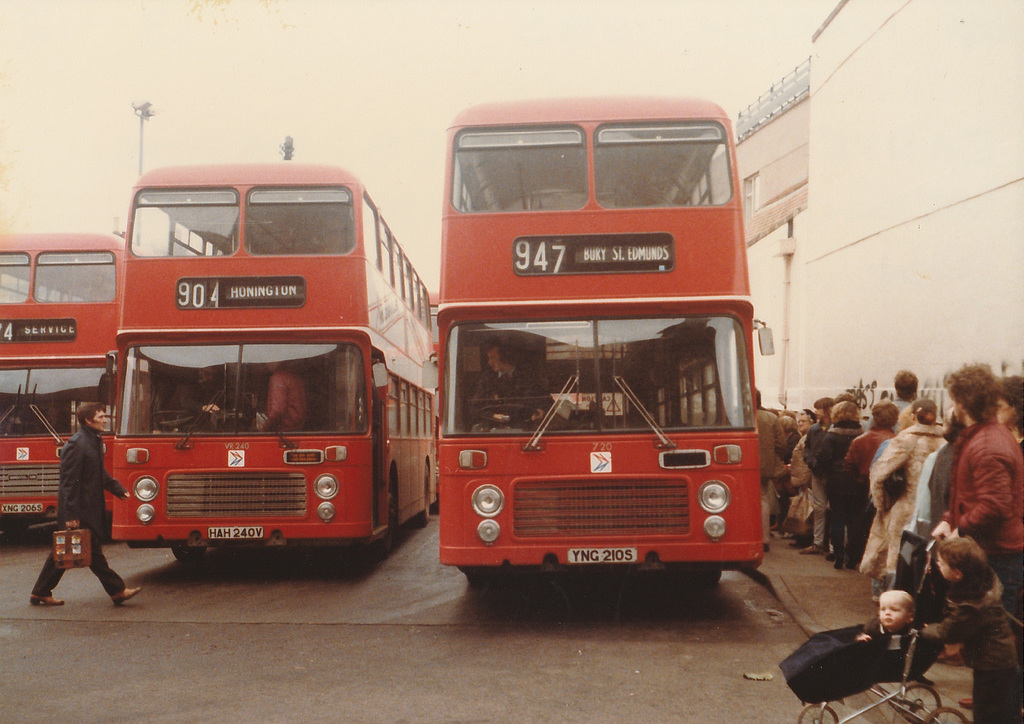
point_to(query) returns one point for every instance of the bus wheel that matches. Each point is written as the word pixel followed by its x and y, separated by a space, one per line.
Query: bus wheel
pixel 387 543
pixel 189 555
pixel 420 520
pixel 706 578
pixel 477 577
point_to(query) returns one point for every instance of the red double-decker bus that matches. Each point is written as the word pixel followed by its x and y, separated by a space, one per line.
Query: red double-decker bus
pixel 271 350
pixel 596 328
pixel 58 322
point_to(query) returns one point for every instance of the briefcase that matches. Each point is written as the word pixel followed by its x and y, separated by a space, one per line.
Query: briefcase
pixel 72 548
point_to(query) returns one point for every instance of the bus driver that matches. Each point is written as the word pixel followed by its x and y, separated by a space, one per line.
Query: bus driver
pixel 508 392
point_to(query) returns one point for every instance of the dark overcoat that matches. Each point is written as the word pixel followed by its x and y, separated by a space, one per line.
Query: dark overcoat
pixel 83 478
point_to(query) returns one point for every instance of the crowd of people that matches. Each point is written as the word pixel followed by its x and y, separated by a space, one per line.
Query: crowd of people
pixel 958 478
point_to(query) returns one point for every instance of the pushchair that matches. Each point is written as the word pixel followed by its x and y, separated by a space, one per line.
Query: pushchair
pixel 833 665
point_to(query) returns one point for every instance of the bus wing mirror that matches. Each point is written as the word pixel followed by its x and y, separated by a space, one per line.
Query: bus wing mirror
pixel 112 364
pixel 766 341
pixel 380 375
pixel 430 374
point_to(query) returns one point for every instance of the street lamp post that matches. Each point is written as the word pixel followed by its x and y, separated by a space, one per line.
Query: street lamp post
pixel 144 111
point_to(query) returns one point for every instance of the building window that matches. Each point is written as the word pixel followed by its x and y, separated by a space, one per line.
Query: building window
pixel 751 195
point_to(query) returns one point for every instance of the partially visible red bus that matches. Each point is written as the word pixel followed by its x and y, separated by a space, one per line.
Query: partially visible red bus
pixel 58 322
pixel 271 350
pixel 596 329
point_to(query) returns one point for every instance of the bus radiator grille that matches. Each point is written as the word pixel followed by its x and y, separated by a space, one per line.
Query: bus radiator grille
pixel 29 479
pixel 235 495
pixel 582 508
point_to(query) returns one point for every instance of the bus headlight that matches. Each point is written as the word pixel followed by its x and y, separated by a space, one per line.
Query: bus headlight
pixel 714 496
pixel 714 527
pixel 326 487
pixel 488 501
pixel 146 488
pixel 145 513
pixel 488 530
pixel 326 512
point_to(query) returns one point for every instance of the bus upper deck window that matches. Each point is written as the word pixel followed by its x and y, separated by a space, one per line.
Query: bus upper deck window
pixel 14 275
pixel 299 221
pixel 661 165
pixel 75 277
pixel 539 169
pixel 185 223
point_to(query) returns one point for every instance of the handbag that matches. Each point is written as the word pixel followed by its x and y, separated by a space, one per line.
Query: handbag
pixel 895 485
pixel 799 521
pixel 72 548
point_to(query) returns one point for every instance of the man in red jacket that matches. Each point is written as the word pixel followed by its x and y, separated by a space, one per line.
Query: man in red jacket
pixel 987 479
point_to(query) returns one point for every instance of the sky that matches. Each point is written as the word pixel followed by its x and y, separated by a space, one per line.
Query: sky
pixel 368 85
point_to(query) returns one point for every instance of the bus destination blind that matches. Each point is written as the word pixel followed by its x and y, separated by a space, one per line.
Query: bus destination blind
pixel 240 292
pixel 593 254
pixel 38 330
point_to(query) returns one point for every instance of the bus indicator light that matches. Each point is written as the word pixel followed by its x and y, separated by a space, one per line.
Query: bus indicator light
pixel 728 454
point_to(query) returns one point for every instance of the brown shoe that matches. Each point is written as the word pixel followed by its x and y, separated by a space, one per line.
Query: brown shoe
pixel 811 550
pixel 44 600
pixel 119 598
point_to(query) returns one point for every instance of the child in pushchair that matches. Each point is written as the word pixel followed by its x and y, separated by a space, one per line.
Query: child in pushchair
pixel 834 665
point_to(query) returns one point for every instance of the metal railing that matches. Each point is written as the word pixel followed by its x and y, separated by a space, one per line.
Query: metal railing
pixel 780 96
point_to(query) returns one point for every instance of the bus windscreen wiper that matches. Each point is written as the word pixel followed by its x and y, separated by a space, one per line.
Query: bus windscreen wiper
pixel 285 442
pixel 556 406
pixel 46 423
pixel 7 413
pixel 665 444
pixel 207 409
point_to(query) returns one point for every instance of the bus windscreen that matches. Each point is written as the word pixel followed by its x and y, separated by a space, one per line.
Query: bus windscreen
pixel 227 389
pixel 683 373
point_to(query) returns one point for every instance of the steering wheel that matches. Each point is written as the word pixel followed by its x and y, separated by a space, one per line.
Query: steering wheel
pixel 171 420
pixel 504 413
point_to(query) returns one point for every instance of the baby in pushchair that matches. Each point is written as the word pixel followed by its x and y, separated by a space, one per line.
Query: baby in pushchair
pixel 837 664
pixel 895 616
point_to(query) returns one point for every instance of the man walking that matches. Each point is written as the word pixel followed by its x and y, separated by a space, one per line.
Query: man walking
pixel 819 498
pixel 80 504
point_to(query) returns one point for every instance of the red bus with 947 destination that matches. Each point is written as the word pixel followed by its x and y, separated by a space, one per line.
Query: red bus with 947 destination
pixel 596 341
pixel 271 351
pixel 58 322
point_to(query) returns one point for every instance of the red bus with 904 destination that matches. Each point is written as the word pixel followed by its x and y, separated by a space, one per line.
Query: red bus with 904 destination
pixel 271 350
pixel 596 336
pixel 58 322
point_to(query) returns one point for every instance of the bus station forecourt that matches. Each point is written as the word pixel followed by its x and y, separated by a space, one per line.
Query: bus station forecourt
pixel 817 596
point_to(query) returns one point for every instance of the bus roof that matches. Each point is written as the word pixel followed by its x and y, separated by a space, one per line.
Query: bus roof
pixel 581 110
pixel 246 174
pixel 61 242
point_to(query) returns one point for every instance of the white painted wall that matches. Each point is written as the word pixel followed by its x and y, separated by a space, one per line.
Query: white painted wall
pixel 913 251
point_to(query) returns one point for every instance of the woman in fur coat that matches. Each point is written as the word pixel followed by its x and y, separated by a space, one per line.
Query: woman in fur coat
pixel 906 451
